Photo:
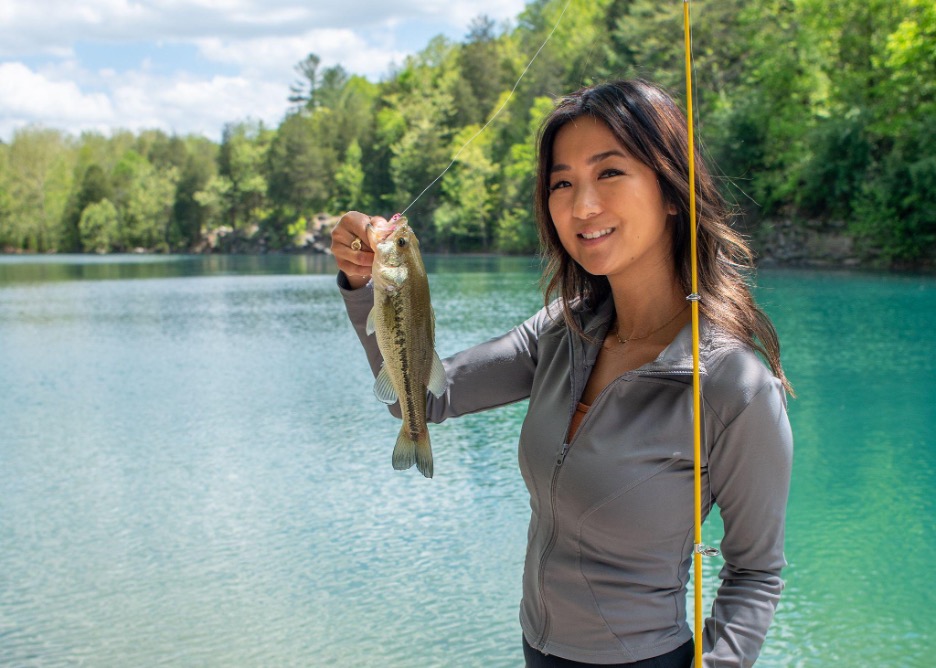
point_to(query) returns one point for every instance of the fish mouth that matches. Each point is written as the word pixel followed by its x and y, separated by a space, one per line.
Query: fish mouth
pixel 595 234
pixel 379 233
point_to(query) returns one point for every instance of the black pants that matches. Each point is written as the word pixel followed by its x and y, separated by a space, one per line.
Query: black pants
pixel 681 657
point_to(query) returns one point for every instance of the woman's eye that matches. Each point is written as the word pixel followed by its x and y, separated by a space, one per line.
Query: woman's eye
pixel 557 185
pixel 611 172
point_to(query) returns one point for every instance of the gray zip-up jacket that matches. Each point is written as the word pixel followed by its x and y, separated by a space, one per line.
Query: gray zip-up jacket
pixel 611 527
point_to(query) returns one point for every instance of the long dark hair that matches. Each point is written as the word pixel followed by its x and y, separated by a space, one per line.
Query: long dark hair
pixel 652 129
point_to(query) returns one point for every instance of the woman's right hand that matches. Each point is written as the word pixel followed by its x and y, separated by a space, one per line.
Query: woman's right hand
pixel 350 248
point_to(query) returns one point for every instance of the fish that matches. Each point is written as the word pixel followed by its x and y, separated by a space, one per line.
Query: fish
pixel 404 323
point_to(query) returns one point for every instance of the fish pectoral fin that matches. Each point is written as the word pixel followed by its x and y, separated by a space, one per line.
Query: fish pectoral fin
pixel 371 326
pixel 383 388
pixel 437 380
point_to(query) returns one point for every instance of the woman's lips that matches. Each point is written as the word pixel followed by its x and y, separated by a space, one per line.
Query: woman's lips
pixel 594 235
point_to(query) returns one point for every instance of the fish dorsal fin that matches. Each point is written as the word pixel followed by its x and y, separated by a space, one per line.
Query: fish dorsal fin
pixel 383 388
pixel 436 376
pixel 371 321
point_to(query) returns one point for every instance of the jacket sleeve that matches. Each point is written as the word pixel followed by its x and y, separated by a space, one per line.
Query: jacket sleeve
pixel 491 374
pixel 749 472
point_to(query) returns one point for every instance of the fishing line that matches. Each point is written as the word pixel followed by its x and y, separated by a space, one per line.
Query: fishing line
pixel 496 113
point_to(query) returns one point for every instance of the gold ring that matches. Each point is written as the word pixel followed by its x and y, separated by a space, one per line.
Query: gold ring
pixel 356 244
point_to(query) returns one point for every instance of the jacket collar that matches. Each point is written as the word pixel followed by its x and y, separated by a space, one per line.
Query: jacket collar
pixel 676 358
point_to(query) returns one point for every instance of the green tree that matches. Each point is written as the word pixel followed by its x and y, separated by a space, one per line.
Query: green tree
pixel 303 91
pixel 99 227
pixel 482 73
pixel 144 196
pixel 317 88
pixel 240 186
pixel 419 122
pixel 907 90
pixel 39 181
pixel 516 228
pixel 348 116
pixel 349 183
pixel 190 218
pixel 873 138
pixel 6 201
pixel 301 173
pixel 163 151
pixel 94 186
pixel 463 220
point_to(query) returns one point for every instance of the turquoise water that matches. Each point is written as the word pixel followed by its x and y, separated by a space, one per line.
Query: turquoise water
pixel 194 472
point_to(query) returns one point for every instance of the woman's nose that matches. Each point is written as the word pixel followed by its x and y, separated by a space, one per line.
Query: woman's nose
pixel 586 202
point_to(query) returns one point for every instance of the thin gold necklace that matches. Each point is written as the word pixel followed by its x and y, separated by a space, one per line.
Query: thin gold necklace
pixel 645 336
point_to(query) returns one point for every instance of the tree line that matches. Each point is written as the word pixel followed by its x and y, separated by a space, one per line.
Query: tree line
pixel 812 110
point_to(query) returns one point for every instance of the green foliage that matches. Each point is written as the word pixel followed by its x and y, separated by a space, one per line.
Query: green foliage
pixel 421 109
pixel 818 109
pixel 300 169
pixel 894 214
pixel 38 182
pixel 99 227
pixel 189 217
pixel 483 73
pixel 464 217
pixel 909 92
pixel 6 201
pixel 351 118
pixel 349 182
pixel 144 195
pixel 241 183
pixel 841 157
pixel 516 229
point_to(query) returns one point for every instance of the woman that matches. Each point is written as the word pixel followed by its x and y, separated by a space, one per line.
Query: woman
pixel 606 446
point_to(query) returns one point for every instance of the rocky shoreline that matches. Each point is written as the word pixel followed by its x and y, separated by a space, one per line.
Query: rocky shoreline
pixel 782 242
pixel 315 239
pixel 785 242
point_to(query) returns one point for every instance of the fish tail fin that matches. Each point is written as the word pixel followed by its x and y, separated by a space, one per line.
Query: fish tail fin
pixel 424 454
pixel 407 452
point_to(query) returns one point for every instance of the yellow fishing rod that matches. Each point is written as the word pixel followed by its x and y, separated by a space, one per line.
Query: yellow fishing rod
pixel 699 549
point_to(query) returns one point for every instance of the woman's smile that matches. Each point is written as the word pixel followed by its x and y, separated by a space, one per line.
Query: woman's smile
pixel 595 235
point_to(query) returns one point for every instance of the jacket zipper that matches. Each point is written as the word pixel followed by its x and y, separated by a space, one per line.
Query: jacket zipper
pixel 553 534
pixel 560 459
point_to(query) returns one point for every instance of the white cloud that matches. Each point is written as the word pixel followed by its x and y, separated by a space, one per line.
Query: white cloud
pixel 29 97
pixel 276 56
pixel 32 27
pixel 135 101
pixel 204 106
pixel 246 49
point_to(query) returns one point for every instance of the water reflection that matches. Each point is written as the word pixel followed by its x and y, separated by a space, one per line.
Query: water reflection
pixel 38 269
pixel 46 268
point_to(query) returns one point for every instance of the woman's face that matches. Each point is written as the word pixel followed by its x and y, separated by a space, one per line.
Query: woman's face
pixel 606 205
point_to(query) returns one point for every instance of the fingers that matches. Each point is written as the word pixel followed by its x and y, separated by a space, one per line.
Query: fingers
pixel 349 246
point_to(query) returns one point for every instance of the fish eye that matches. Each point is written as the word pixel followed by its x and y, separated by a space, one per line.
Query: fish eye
pixel 401 242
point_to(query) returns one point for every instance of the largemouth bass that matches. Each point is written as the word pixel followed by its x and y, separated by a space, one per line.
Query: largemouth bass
pixel 404 323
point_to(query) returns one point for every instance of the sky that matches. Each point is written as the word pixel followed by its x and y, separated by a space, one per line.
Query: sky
pixel 191 66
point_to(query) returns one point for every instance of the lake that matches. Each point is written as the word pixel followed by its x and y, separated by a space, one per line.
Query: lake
pixel 194 471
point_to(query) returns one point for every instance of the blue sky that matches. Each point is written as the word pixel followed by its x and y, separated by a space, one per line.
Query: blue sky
pixel 190 66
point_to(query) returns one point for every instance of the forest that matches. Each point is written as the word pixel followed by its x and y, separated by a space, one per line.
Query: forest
pixel 817 113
